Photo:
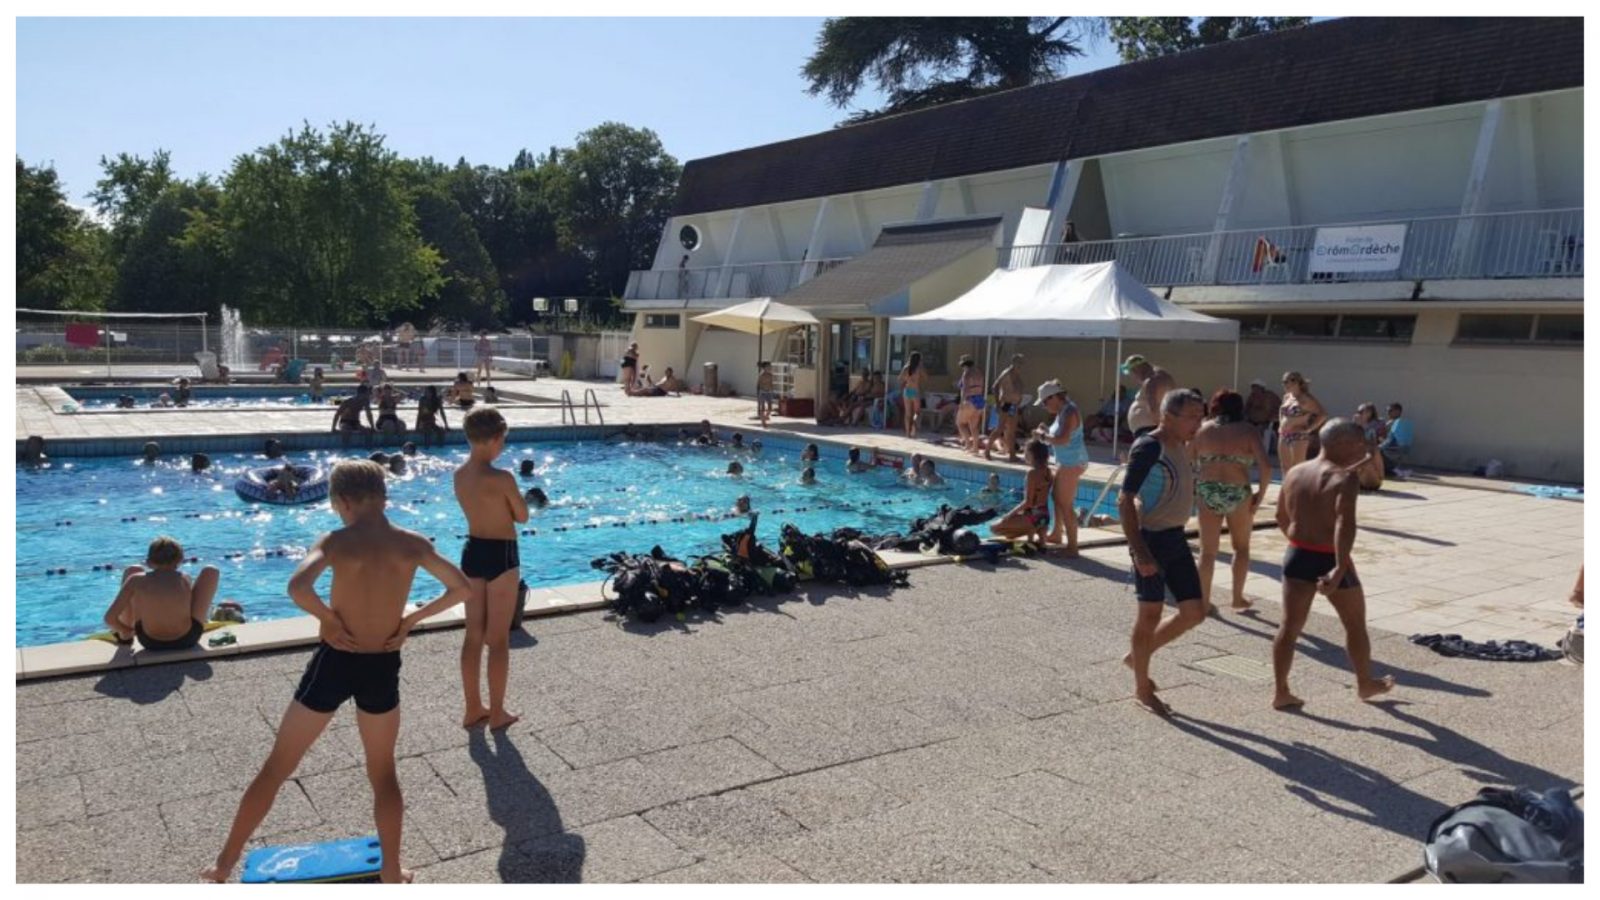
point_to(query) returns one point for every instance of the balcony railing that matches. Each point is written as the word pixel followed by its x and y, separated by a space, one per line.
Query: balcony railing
pixel 770 279
pixel 1540 244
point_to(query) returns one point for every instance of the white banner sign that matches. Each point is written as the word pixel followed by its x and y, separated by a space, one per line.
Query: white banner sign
pixel 1359 248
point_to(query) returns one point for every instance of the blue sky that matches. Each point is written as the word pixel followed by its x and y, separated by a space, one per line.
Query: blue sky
pixel 210 89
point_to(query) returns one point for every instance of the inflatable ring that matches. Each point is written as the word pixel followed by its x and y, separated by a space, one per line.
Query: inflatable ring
pixel 254 485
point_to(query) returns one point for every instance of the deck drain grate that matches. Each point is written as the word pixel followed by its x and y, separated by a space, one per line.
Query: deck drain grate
pixel 1237 666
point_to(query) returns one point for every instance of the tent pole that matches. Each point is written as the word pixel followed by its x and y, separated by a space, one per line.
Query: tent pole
pixel 1236 364
pixel 1103 374
pixel 1116 407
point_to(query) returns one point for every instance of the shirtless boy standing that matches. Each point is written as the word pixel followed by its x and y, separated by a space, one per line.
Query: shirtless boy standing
pixel 158 604
pixel 1317 513
pixel 494 505
pixel 362 629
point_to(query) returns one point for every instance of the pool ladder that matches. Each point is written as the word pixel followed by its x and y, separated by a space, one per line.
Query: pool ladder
pixel 1084 514
pixel 569 409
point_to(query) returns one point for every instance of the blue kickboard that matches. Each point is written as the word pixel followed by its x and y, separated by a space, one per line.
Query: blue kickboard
pixel 344 860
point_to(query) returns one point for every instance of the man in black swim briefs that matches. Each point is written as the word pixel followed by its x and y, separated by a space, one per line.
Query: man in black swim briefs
pixel 1317 513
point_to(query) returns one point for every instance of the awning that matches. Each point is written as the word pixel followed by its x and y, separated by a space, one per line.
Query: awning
pixel 877 283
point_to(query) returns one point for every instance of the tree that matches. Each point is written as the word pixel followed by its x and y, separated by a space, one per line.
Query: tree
pixel 615 189
pixel 469 291
pixel 161 272
pixel 321 231
pixel 1146 37
pixel 924 61
pixel 63 258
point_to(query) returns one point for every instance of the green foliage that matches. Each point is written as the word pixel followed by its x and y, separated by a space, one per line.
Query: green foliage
pixel 63 258
pixel 320 231
pixel 1146 37
pixel 924 61
pixel 615 189
pixel 331 228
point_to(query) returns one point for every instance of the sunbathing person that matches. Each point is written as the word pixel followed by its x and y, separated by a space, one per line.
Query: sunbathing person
pixel 1031 517
pixel 160 605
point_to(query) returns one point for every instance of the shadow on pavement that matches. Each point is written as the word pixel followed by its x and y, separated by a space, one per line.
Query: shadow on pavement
pixel 1331 654
pixel 536 849
pixel 1407 536
pixel 151 684
pixel 1360 793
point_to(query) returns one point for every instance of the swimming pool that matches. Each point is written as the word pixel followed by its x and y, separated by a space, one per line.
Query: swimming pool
pixel 79 514
pixel 146 396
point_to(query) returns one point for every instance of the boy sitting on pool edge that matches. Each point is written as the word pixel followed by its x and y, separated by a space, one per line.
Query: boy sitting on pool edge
pixel 156 597
pixel 362 627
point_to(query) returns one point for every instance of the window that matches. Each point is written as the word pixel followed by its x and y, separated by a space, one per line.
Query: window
pixel 1486 328
pixel 1301 326
pixel 1250 326
pixel 800 347
pixel 1377 328
pixel 662 320
pixel 1562 329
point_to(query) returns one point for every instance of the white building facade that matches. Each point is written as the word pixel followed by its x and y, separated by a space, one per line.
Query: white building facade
pixel 1392 207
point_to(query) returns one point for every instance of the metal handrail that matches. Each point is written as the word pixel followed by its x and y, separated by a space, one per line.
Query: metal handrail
pixel 588 395
pixel 567 408
pixel 1083 515
pixel 1525 244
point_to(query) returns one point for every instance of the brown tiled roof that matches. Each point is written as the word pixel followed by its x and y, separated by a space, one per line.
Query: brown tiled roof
pixel 1341 69
pixel 901 254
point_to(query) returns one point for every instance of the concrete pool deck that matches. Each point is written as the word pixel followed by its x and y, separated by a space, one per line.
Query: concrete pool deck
pixel 975 727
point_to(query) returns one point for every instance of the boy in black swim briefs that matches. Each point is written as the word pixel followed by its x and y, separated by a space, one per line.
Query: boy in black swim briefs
pixel 362 627
pixel 1317 513
pixel 494 506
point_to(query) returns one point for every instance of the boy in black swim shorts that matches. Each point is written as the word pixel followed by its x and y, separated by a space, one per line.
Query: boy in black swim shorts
pixel 494 506
pixel 1317 513
pixel 362 628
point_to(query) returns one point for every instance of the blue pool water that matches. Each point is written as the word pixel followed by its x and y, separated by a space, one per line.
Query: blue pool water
pixel 612 496
pixel 202 398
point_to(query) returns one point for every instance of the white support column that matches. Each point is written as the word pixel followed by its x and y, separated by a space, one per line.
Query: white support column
pixel 964 186
pixel 813 250
pixel 1063 190
pixel 862 227
pixel 1233 190
pixel 1280 175
pixel 928 205
pixel 776 224
pixel 1475 198
pixel 1521 124
pixel 725 276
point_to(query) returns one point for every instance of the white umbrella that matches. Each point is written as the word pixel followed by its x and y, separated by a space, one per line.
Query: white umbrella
pixel 758 317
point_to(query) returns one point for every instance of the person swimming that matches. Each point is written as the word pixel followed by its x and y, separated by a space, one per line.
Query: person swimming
pixel 284 482
pixel 527 468
pixel 810 454
pixel 409 448
pixel 991 488
pixel 808 475
pixel 741 506
pixel 397 464
pixel 274 448
pixel 913 472
pixel 536 497
pixel 152 452
pixel 735 468
pixel 855 466
pixel 927 475
pixel 199 462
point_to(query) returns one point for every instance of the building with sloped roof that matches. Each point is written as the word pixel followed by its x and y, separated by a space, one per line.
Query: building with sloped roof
pixel 1392 206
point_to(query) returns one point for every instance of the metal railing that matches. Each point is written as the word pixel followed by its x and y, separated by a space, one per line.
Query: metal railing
pixel 1538 244
pixel 768 279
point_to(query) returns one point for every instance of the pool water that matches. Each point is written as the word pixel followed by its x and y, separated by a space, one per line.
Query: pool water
pixel 145 397
pixel 605 497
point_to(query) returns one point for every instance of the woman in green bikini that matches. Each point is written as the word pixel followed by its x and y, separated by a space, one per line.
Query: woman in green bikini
pixel 1224 450
pixel 912 378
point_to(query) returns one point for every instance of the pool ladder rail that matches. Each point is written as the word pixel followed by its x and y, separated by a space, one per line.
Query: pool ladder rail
pixel 569 409
pixel 1084 514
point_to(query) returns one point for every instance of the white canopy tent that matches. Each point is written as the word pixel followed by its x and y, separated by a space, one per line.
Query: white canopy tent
pixel 1097 302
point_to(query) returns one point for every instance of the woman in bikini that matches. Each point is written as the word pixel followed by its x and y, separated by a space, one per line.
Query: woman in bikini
pixel 911 381
pixel 1298 420
pixel 1031 517
pixel 1224 449
pixel 389 411
pixel 1370 470
pixel 429 405
pixel 970 388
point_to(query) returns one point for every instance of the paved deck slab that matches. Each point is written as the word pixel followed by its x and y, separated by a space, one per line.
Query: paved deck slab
pixel 975 727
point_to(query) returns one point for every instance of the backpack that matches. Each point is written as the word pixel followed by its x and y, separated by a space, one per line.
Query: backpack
pixel 1508 836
